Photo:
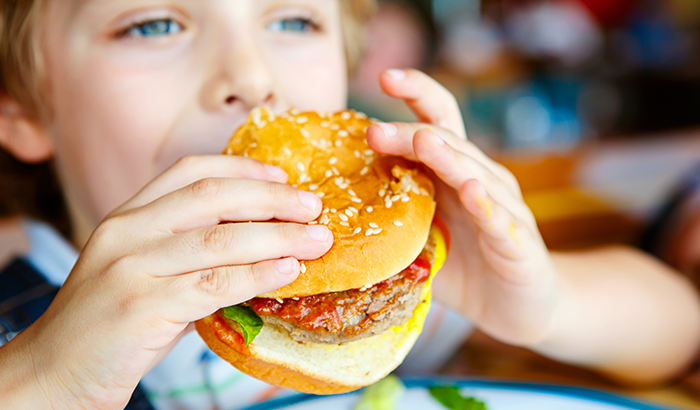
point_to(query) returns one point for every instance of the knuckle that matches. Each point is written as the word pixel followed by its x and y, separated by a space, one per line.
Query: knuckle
pixel 108 228
pixel 215 281
pixel 218 238
pixel 206 188
pixel 285 232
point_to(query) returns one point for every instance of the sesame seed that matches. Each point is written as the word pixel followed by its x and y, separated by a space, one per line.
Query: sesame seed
pixel 338 143
pixel 351 209
pixel 388 204
pixel 305 133
pixel 344 223
pixel 405 199
pixel 333 210
pixel 398 223
pixel 395 198
pixel 370 209
pixel 357 154
pixel 377 231
pixel 356 231
pixel 364 171
pixel 325 210
pixel 329 173
pixel 335 170
pixel 303 178
pixel 280 300
pixel 312 223
pixel 356 200
pixel 345 115
pixel 373 225
pixel 338 181
pixel 245 154
pixel 320 194
pixel 253 145
pixel 333 160
pixel 301 167
pixel 415 191
pixel 287 151
pixel 351 192
pixel 360 115
pixel 229 151
pixel 302 120
pixel 349 213
pixel 325 124
pixel 313 187
pixel 295 298
pixel 324 220
pixel 343 217
pixel 382 192
pixel 303 267
pixel 294 111
pixel 369 160
pixel 369 232
pixel 342 133
pixel 335 127
pixel 369 152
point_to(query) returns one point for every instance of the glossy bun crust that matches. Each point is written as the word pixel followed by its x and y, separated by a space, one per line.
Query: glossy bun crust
pixel 379 208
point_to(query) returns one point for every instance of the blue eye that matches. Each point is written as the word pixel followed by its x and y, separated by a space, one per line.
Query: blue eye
pixel 154 28
pixel 297 25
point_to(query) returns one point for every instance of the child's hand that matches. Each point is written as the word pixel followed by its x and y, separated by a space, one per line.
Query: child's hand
pixel 498 272
pixel 161 261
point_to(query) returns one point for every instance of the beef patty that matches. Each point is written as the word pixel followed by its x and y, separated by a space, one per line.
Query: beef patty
pixel 340 317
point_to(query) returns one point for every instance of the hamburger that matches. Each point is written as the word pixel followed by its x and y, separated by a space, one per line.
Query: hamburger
pixel 352 316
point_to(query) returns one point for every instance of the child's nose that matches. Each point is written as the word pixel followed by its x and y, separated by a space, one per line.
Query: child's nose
pixel 243 81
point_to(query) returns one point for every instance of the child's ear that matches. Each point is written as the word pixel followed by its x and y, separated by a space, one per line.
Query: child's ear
pixel 21 135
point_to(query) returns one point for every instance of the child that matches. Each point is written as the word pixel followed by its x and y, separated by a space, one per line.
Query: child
pixel 128 98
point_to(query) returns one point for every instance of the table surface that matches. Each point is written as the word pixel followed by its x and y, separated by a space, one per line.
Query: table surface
pixel 482 356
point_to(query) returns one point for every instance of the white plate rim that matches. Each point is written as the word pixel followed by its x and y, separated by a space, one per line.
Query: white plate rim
pixel 561 390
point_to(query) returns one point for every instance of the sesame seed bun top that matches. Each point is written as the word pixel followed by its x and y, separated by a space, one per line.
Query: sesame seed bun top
pixel 379 208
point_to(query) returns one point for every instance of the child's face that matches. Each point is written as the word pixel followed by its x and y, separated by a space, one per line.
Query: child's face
pixel 137 84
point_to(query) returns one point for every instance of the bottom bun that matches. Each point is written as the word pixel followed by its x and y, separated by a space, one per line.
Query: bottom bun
pixel 274 357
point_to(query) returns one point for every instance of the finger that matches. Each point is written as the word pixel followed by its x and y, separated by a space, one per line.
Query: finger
pixel 202 293
pixel 189 169
pixel 429 100
pixel 212 200
pixel 396 138
pixel 456 167
pixel 499 228
pixel 236 244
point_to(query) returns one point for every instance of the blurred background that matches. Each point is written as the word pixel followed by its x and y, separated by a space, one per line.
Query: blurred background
pixel 593 104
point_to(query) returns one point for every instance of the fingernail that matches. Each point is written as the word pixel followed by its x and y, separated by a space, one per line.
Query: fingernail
pixel 276 172
pixel 309 200
pixel 286 266
pixel 318 233
pixel 389 129
pixel 438 139
pixel 396 74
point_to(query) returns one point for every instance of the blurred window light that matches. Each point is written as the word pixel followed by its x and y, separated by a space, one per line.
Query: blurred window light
pixel 528 122
pixel 562 30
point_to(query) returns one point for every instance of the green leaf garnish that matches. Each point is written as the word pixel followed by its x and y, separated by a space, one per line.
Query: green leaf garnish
pixel 382 395
pixel 247 319
pixel 451 398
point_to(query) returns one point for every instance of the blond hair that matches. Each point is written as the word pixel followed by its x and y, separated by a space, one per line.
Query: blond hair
pixel 21 65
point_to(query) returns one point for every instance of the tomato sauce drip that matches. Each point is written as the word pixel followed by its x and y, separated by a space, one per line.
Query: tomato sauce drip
pixel 325 312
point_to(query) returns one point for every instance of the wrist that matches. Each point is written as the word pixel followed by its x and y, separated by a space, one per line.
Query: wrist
pixel 25 379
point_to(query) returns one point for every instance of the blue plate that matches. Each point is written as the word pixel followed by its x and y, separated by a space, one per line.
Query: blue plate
pixel 497 396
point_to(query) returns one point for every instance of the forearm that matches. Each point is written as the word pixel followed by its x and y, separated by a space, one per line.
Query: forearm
pixel 625 314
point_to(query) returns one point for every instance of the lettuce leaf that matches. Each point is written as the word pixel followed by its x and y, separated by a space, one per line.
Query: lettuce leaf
pixel 382 395
pixel 247 319
pixel 451 398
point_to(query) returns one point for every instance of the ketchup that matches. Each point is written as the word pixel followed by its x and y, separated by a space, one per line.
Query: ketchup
pixel 325 312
